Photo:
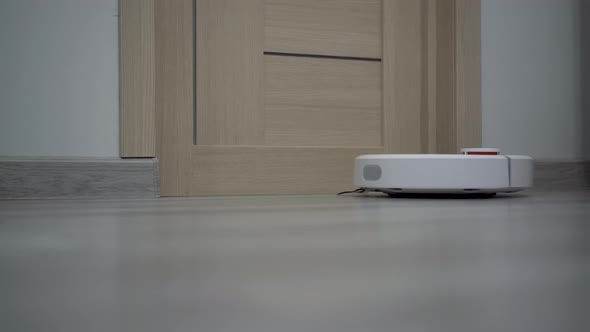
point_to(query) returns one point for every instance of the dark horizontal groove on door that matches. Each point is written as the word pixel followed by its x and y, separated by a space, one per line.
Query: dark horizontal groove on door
pixel 318 56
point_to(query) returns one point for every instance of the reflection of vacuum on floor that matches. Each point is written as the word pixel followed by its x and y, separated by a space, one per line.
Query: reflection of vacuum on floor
pixel 475 171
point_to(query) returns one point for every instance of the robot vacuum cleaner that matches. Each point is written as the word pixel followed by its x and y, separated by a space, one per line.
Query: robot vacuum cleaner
pixel 482 172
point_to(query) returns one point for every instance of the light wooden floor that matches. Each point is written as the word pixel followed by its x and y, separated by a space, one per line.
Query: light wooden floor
pixel 297 263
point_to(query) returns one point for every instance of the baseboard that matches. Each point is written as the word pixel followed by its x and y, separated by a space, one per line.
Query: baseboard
pixel 562 175
pixel 45 178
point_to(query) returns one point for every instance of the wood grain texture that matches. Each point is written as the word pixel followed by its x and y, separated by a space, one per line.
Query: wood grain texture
pixel 230 67
pixel 468 73
pixel 562 175
pixel 403 59
pixel 137 79
pixel 35 178
pixel 445 132
pixel 421 69
pixel 273 170
pixel 174 94
pixel 322 102
pixel 328 27
pixel 409 118
pixel 429 120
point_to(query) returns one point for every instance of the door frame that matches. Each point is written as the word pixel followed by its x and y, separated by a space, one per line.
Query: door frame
pixel 439 112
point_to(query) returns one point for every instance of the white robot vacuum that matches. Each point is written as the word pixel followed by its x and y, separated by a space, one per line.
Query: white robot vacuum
pixel 481 172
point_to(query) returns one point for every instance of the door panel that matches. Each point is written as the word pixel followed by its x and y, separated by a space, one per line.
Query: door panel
pixel 325 27
pixel 230 72
pixel 322 102
pixel 272 170
pixel 269 124
pixel 279 97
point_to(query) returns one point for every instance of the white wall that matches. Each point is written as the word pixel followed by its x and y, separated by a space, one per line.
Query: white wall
pixel 532 78
pixel 59 85
pixel 59 78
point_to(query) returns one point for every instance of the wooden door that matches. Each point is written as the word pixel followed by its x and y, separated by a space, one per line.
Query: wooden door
pixel 280 96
